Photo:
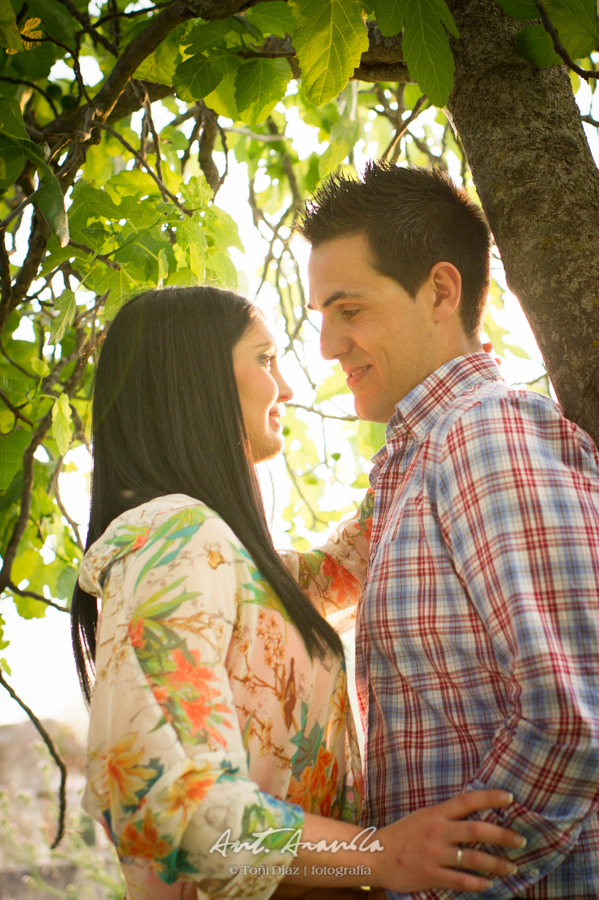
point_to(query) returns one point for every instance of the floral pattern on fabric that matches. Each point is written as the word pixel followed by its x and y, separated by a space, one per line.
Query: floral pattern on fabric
pixel 208 717
pixel 332 575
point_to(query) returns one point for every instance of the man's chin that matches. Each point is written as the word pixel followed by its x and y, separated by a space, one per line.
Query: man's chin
pixel 372 415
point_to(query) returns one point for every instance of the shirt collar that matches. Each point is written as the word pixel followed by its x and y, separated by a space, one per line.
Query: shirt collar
pixel 419 411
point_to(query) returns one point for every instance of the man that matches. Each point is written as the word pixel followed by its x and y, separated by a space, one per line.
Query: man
pixel 478 630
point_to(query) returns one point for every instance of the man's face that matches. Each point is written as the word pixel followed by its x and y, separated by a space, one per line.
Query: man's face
pixel 379 333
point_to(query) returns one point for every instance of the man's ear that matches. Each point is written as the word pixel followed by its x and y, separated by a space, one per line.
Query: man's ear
pixel 446 284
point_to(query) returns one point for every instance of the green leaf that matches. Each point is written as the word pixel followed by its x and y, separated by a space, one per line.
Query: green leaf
pixel 221 229
pixel 259 85
pixel 11 120
pixel 342 141
pixel 50 200
pixel 5 666
pixel 535 45
pixel 207 36
pixel 332 386
pixel 196 78
pixel 222 99
pixel 48 197
pixel 12 161
pixel 425 45
pixel 371 437
pixel 9 32
pixel 62 423
pixel 67 308
pixel 197 193
pixel 39 366
pixel 12 447
pixel 65 583
pixel 191 237
pixel 329 38
pixel 272 18
pixel 577 25
pixel 521 10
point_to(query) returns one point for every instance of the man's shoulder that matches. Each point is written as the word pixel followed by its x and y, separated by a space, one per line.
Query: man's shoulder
pixel 496 412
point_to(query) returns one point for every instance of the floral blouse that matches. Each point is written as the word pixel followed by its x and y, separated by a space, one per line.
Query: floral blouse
pixel 209 722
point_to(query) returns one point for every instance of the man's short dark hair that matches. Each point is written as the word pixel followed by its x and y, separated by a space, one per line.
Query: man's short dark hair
pixel 412 219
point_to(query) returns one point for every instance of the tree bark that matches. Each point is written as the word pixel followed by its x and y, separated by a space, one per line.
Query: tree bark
pixel 539 187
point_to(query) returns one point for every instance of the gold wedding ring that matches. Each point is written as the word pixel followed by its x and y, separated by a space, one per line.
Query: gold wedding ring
pixel 459 858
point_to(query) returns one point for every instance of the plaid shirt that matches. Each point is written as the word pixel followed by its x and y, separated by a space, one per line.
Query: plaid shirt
pixel 478 632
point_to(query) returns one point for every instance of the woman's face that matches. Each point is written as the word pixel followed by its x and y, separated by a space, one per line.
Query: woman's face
pixel 262 390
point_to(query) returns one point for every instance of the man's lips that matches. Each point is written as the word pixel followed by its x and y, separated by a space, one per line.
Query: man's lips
pixel 354 376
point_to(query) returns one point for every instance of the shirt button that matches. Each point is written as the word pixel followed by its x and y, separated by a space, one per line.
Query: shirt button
pixel 533 873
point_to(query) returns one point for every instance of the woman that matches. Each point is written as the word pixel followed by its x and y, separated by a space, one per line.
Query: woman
pixel 220 693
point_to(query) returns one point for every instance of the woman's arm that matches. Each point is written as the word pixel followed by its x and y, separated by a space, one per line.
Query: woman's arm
pixel 332 575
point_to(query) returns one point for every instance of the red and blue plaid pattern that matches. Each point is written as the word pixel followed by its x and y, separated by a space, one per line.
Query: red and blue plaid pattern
pixel 478 629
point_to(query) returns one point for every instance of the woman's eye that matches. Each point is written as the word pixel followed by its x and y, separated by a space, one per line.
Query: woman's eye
pixel 267 360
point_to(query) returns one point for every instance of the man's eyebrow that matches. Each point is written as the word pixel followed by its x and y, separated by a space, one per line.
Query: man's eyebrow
pixel 338 295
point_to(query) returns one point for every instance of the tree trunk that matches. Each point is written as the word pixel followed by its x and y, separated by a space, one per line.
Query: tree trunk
pixel 539 187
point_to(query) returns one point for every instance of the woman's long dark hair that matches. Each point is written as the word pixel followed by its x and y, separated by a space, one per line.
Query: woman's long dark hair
pixel 167 420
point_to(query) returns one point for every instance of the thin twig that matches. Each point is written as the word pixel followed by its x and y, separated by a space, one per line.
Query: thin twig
pixel 135 12
pixel 62 791
pixel 74 525
pixel 15 410
pixel 559 47
pixel 267 138
pixel 17 211
pixel 34 596
pixel 148 168
pixel 77 68
pixel 293 476
pixel 84 21
pixel 16 364
pixel 318 412
pixel 107 262
pixel 401 130
pixel 36 87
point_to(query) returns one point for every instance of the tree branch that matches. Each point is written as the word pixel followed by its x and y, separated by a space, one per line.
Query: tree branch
pixel 84 21
pixel 107 262
pixel 5 280
pixel 559 47
pixel 15 410
pixel 318 412
pixel 34 596
pixel 401 130
pixel 62 791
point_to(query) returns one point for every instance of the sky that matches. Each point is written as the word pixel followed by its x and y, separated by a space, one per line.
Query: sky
pixel 51 687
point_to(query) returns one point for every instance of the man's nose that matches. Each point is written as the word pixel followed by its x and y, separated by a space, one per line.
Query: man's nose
pixel 333 341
